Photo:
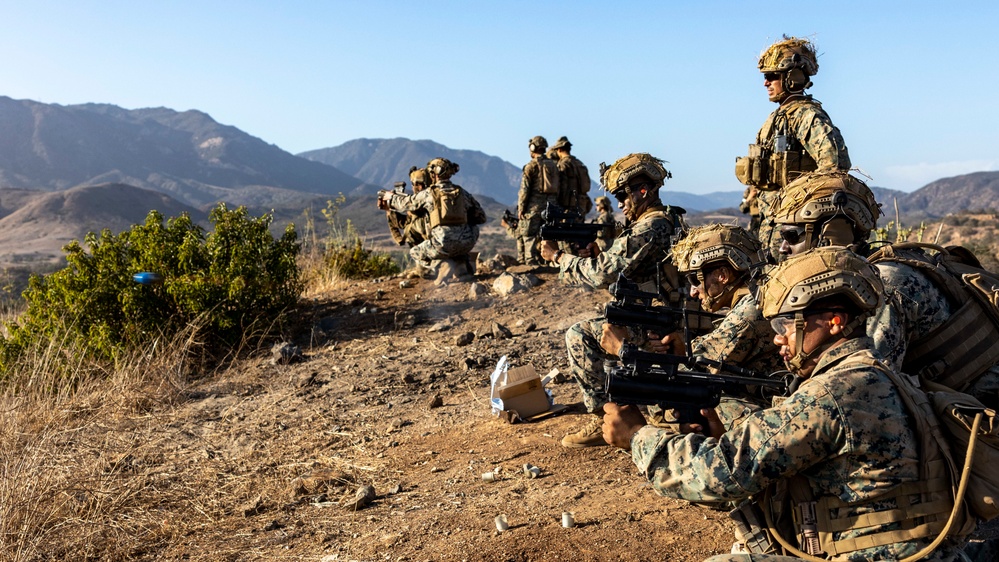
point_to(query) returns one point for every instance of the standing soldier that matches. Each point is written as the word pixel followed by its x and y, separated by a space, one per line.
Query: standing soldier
pixel 797 137
pixel 452 214
pixel 538 187
pixel 605 216
pixel 574 179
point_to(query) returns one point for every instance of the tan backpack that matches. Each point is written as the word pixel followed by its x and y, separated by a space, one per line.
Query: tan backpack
pixel 548 171
pixel 450 206
pixel 963 347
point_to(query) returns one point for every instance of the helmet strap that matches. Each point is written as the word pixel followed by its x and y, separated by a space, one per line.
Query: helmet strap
pixel 799 359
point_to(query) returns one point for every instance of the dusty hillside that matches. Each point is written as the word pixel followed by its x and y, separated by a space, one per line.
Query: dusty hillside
pixel 257 463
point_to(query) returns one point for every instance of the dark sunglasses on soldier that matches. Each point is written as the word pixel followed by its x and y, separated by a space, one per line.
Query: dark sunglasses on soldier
pixel 771 76
pixel 793 235
pixel 621 196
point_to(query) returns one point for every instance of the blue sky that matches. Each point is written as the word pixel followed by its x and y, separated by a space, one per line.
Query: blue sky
pixel 912 85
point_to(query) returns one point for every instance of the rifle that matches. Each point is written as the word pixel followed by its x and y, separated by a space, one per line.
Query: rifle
pixel 645 378
pixel 509 220
pixel 399 187
pixel 633 308
pixel 566 225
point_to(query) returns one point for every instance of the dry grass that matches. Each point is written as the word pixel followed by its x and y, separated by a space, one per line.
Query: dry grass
pixel 71 451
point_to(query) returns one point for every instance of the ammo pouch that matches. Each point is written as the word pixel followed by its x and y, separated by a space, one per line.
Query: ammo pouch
pixel 786 166
pixel 752 169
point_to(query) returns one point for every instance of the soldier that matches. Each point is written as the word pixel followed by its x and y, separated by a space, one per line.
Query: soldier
pixel 408 229
pixel 718 261
pixel 574 179
pixel 452 214
pixel 839 467
pixel 538 187
pixel 835 208
pixel 605 216
pixel 797 137
pixel 634 181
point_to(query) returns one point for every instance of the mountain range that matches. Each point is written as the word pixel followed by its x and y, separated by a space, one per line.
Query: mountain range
pixel 67 170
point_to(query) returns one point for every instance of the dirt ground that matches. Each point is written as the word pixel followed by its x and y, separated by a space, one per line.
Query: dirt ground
pixel 260 462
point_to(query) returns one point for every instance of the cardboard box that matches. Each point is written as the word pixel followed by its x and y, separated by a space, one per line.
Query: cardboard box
pixel 519 390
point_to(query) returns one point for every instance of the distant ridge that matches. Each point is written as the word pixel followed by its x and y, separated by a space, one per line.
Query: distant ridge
pixel 382 162
pixel 35 225
pixel 187 155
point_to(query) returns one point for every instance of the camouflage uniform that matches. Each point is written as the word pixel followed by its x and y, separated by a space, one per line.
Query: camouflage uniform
pixel 638 252
pixel 531 202
pixel 407 229
pixel 574 181
pixel 606 236
pixel 745 339
pixel 845 430
pixel 454 241
pixel 803 121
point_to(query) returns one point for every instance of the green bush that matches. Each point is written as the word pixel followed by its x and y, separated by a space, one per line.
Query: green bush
pixel 352 261
pixel 224 280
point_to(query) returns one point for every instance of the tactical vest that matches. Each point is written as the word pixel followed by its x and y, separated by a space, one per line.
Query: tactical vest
pixel 450 204
pixel 778 158
pixel 923 508
pixel 962 348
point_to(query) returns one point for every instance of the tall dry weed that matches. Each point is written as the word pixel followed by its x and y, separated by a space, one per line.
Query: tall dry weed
pixel 74 438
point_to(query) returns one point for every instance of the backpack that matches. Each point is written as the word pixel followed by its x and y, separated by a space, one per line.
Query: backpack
pixel 962 348
pixel 548 176
pixel 450 204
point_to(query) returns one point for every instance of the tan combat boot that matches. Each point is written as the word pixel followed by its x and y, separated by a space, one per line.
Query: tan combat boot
pixel 591 435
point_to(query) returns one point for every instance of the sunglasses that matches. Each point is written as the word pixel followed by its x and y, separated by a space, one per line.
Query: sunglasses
pixel 692 280
pixel 621 196
pixel 793 235
pixel 771 76
pixel 782 323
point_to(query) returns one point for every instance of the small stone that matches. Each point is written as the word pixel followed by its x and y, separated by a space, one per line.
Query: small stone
pixel 435 402
pixel 397 489
pixel 478 290
pixel 406 284
pixel 379 295
pixel 362 498
pixel 285 354
pixel 252 507
pixel 464 339
pixel 408 378
pixel 501 332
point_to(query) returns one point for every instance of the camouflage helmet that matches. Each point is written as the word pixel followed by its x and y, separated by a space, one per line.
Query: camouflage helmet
pixel 562 142
pixel 797 283
pixel 537 145
pixel 815 198
pixel 419 175
pixel 616 177
pixel 731 244
pixel 603 202
pixel 789 53
pixel 442 168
